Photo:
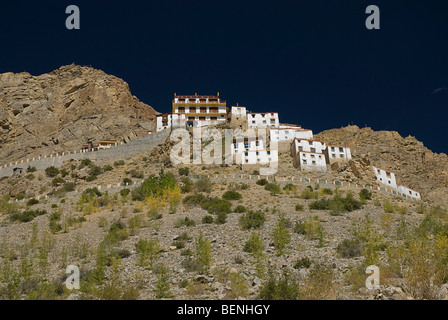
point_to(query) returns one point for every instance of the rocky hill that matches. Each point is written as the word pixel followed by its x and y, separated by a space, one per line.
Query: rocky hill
pixel 58 111
pixel 414 165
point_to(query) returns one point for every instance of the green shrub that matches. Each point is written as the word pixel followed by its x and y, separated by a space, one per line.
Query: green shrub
pixel 207 220
pixel 338 204
pixel 195 199
pixel 32 202
pixel 69 186
pixel 203 253
pixel 136 174
pixel 57 181
pixel 154 186
pixel 299 207
pixel 187 185
pixel 51 172
pixel 349 248
pixel 184 222
pixel 84 163
pixel 184 171
pixel 309 194
pixel 252 220
pixel 327 191
pixel 31 169
pixel 107 167
pixel 255 244
pixel 262 182
pixel 388 207
pixel 125 192
pixel 290 188
pixel 365 194
pixel 240 209
pixel 281 236
pixel 283 288
pixel 27 216
pixel 203 185
pixel 127 181
pixel 217 206
pixel 30 176
pixel 303 263
pixel 273 188
pixel 232 195
pixel 149 252
pixel 221 217
pixel 119 163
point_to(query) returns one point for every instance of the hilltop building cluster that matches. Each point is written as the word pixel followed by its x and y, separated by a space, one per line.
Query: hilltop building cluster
pixel 199 111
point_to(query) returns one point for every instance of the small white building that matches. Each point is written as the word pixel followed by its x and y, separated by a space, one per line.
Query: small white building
pixel 262 120
pixel 308 145
pixel 238 113
pixel 385 177
pixel 310 161
pixel 409 193
pixel 335 154
pixel 289 134
pixel 170 120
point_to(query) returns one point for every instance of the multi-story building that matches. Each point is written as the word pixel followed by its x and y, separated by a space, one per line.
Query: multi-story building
pixel 308 155
pixel 308 145
pixel 238 113
pixel 310 161
pixel 290 133
pixel 201 111
pixel 336 154
pixel 262 120
pixel 385 177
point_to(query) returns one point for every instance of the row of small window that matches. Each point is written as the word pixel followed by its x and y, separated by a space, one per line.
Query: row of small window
pixel 334 156
pixel 263 115
pixel 258 160
pixel 388 181
pixel 340 149
pixel 304 161
pixel 264 121
pixel 246 154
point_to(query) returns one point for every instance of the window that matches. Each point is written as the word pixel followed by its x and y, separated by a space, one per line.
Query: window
pixel 213 118
pixel 314 162
pixel 342 156
pixel 313 150
pixel 304 161
pixel 333 155
pixel 341 149
pixel 332 149
pixel 253 122
pixel 310 142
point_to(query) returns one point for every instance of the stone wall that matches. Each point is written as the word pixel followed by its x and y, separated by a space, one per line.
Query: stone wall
pixel 128 150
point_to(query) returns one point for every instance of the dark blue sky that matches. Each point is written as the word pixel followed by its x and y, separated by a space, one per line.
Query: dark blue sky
pixel 313 61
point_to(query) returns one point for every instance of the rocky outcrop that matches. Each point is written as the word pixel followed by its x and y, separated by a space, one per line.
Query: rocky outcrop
pixel 414 165
pixel 58 111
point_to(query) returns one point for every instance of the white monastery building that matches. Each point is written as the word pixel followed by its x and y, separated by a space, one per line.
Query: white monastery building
pixel 335 154
pixel 385 177
pixel 171 120
pixel 238 113
pixel 262 120
pixel 388 178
